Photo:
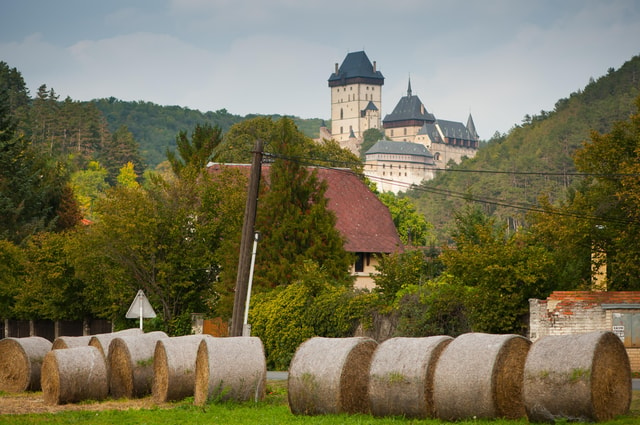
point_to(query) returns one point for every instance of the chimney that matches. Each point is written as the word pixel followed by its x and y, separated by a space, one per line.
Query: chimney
pixel 336 68
pixel 374 66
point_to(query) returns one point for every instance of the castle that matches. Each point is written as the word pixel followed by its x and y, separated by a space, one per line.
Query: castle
pixel 417 142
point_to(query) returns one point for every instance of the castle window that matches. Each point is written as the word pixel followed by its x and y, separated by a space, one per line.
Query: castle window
pixel 341 117
pixel 341 130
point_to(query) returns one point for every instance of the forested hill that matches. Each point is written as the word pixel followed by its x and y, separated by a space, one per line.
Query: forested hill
pixel 534 158
pixel 155 127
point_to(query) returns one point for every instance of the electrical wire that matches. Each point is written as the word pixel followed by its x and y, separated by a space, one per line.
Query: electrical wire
pixel 466 196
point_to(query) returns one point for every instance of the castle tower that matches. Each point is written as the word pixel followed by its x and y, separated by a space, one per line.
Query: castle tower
pixel 356 97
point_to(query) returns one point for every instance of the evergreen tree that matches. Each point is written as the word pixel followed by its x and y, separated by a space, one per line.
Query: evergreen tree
pixel 118 150
pixel 293 217
pixel 193 155
pixel 31 187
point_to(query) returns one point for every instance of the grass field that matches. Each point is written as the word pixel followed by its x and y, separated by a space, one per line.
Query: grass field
pixel 273 410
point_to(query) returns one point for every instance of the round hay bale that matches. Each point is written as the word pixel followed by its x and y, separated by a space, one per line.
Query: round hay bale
pixel 401 376
pixel 74 374
pixel 330 375
pixel 583 377
pixel 130 364
pixel 232 368
pixel 174 367
pixel 480 375
pixel 21 363
pixel 102 341
pixel 63 342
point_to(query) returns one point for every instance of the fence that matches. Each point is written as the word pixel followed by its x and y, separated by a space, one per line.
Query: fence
pixel 50 329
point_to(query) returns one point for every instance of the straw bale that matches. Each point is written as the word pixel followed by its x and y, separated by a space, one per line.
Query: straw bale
pixel 130 364
pixel 583 377
pixel 74 374
pixel 174 367
pixel 401 376
pixel 21 363
pixel 331 375
pixel 63 342
pixel 480 375
pixel 231 368
pixel 102 341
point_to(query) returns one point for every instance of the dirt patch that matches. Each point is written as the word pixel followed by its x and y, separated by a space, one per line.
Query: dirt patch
pixel 33 402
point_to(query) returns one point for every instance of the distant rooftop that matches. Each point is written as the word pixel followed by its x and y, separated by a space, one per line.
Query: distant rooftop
pixel 356 68
pixel 400 148
pixel 409 108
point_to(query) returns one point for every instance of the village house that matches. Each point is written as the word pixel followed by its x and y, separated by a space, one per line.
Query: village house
pixel 362 219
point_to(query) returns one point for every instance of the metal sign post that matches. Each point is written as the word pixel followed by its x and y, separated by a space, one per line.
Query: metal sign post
pixel 140 308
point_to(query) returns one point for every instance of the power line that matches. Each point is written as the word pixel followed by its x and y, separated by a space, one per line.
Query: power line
pixel 466 196
pixel 348 164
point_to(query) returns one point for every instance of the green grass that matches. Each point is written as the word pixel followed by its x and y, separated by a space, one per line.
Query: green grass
pixel 273 410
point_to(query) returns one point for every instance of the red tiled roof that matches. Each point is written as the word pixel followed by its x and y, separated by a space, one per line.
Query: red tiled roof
pixel 361 217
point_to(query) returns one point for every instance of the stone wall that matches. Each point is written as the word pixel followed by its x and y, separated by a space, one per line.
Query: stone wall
pixel 573 312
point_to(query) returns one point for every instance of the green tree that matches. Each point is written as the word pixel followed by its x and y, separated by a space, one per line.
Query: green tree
pixel 127 176
pixel 194 154
pixel 117 151
pixel 501 271
pixel 411 225
pixel 369 138
pixel 18 95
pixel 239 140
pixel 156 240
pixel 436 307
pixel 293 218
pixel 31 185
pixel 12 275
pixel 398 270
pixel 51 290
pixel 89 185
pixel 600 213
pixel 612 194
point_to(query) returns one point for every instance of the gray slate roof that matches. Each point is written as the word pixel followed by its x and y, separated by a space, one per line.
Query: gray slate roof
pixel 450 129
pixel 399 148
pixel 409 107
pixel 356 65
pixel 455 130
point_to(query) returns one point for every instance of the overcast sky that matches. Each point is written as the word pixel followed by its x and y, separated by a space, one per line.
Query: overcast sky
pixel 498 59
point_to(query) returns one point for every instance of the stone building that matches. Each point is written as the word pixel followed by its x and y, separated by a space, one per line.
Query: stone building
pixel 396 166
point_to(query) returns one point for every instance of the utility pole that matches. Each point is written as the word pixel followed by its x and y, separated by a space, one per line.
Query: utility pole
pixel 242 281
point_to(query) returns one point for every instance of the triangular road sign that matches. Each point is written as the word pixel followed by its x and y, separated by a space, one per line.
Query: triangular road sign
pixel 140 307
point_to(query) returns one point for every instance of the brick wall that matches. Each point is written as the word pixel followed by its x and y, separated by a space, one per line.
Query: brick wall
pixel 572 312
